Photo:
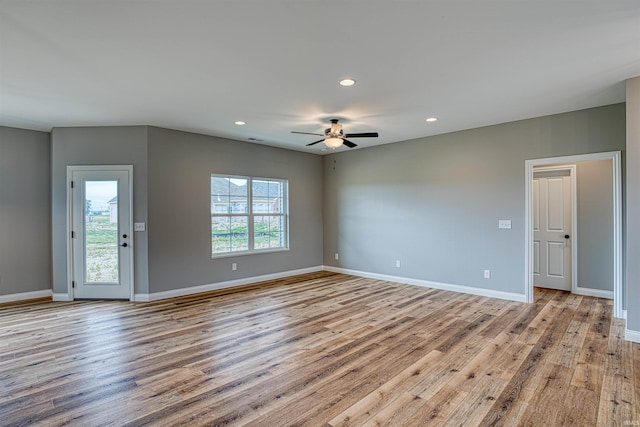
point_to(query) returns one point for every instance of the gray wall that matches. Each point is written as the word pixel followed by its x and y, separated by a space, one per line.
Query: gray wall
pixel 434 203
pixel 25 211
pixel 595 224
pixel 180 168
pixel 171 194
pixel 98 146
pixel 633 204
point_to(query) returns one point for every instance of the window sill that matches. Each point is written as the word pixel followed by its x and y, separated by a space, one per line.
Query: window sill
pixel 245 253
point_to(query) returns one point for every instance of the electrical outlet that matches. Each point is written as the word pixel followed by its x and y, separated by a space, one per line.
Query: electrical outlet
pixel 337 256
pixel 487 274
pixel 397 263
pixel 234 266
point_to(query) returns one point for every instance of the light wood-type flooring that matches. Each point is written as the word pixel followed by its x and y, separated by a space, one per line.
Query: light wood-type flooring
pixel 320 349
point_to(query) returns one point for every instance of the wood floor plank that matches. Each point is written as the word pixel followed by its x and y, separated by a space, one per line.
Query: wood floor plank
pixel 371 404
pixel 617 404
pixel 320 349
pixel 480 398
pixel 581 407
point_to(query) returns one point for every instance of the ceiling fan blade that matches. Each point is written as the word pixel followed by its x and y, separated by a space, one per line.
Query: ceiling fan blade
pixel 307 133
pixel 349 143
pixel 315 142
pixel 362 135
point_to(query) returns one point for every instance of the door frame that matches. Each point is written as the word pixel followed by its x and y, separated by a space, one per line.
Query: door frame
pixel 615 157
pixel 70 257
pixel 574 217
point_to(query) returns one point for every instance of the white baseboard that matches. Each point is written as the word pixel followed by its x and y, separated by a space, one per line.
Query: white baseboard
pixel 436 285
pixel 633 336
pixel 221 285
pixel 594 292
pixel 141 297
pixel 23 296
pixel 62 297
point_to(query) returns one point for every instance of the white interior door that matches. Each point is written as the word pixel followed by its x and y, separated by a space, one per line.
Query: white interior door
pixel 552 230
pixel 101 232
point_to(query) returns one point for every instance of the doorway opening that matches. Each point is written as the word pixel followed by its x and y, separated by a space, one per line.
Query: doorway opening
pixel 614 231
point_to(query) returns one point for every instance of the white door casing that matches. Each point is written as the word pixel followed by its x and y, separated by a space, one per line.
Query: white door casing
pixel 552 228
pixel 100 235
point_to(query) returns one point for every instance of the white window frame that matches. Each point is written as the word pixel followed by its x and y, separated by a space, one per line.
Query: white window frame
pixel 250 215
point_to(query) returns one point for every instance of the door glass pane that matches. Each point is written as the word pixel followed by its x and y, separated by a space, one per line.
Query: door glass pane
pixel 101 231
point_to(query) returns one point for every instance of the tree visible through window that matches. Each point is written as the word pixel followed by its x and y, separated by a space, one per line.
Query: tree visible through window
pixel 248 214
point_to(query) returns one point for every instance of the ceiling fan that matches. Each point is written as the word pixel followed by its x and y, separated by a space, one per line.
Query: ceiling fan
pixel 334 137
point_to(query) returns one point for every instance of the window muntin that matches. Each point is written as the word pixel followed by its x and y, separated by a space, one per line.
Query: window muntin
pixel 248 214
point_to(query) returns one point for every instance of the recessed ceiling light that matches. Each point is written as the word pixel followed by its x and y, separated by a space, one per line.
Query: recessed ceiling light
pixel 240 123
pixel 347 82
pixel 432 119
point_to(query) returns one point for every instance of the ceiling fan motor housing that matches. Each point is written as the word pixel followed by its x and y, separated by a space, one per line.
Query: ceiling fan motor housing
pixel 334 136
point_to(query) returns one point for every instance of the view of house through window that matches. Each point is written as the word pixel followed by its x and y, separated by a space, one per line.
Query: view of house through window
pixel 248 214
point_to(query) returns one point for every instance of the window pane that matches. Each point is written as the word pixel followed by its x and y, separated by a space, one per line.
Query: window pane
pixel 238 187
pixel 239 195
pixel 276 231
pixel 268 196
pixel 260 196
pixel 219 186
pixel 220 234
pixel 269 232
pixel 260 205
pixel 101 231
pixel 229 195
pixel 276 205
pixel 219 204
pixel 261 232
pixel 238 204
pixel 239 233
pixel 275 189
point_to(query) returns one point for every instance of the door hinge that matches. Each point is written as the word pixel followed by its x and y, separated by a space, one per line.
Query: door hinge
pixel 71 184
pixel 73 284
pixel 73 234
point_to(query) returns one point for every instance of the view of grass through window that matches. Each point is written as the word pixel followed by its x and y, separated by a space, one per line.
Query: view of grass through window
pixel 247 214
pixel 101 232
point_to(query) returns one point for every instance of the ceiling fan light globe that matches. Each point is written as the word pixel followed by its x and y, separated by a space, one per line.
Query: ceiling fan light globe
pixel 333 142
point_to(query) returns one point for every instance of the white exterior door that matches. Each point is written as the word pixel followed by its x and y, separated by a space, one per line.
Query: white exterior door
pixel 101 239
pixel 552 230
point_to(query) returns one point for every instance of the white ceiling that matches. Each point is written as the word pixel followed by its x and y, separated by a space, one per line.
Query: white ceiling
pixel 275 64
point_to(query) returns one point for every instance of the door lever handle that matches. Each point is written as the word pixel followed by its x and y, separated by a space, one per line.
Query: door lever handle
pixel 124 245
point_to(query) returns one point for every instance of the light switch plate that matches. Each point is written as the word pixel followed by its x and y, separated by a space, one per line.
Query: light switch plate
pixel 139 226
pixel 504 223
